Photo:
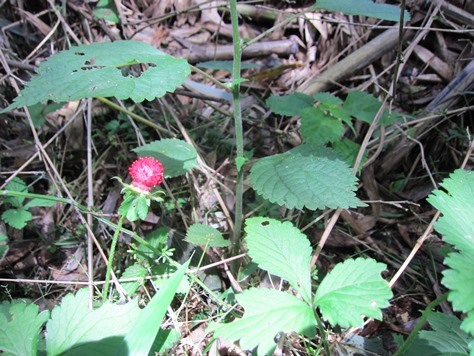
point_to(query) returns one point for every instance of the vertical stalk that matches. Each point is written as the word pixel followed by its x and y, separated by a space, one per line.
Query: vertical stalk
pixel 239 137
pixel 111 258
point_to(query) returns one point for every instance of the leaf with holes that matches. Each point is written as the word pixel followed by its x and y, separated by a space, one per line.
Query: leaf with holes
pixel 307 176
pixel 177 156
pixel 353 289
pixel 267 312
pixel 205 235
pixel 281 249
pixel 104 70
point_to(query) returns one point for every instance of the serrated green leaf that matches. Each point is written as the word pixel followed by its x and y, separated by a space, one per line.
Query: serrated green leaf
pixel 267 313
pixel 156 239
pixel 75 329
pixel 289 105
pixel 20 325
pixel 177 156
pixel 353 289
pixel 327 99
pixel 446 338
pixel 139 340
pixel 457 227
pixel 281 249
pixel 364 107
pixel 17 218
pixel 348 151
pixel 306 176
pixel 89 71
pixel 39 202
pixel 205 235
pixel 319 127
pixel 134 271
pixel 16 185
pixel 363 7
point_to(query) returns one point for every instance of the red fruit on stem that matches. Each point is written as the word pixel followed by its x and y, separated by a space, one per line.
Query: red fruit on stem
pixel 147 173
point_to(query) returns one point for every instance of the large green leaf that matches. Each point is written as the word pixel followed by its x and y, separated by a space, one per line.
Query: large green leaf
pixel 282 250
pixel 457 227
pixel 446 338
pixel 363 7
pixel 319 126
pixel 289 105
pixel 20 325
pixel 353 289
pixel 102 70
pixel 205 235
pixel 140 339
pixel 306 176
pixel 177 156
pixel 17 218
pixel 74 329
pixel 267 312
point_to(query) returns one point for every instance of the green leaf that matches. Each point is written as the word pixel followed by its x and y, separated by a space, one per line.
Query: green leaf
pixel 319 127
pixel 102 70
pixel 353 289
pixel 364 107
pixel 348 151
pixel 20 325
pixel 457 227
pixel 16 185
pixel 328 99
pixel 106 9
pixel 282 250
pixel 156 239
pixel 134 271
pixel 363 7
pixel 75 329
pixel 306 176
pixel 205 235
pixel 267 313
pixel 165 340
pixel 289 105
pixel 446 338
pixel 177 156
pixel 17 218
pixel 39 202
pixel 139 340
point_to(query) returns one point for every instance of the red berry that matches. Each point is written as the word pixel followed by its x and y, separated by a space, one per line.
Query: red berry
pixel 146 173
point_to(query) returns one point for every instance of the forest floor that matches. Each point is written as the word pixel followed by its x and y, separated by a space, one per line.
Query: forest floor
pixel 292 45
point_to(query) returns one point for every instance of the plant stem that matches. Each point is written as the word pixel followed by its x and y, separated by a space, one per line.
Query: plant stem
pixel 239 136
pixel 111 258
pixel 429 309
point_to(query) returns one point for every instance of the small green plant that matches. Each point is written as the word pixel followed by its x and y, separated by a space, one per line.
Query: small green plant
pixel 17 212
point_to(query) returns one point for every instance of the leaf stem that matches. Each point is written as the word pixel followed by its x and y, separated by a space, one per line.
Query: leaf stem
pixel 239 137
pixel 111 258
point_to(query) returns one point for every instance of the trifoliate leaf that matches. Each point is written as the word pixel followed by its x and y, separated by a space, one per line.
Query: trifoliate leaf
pixel 17 218
pixel 446 338
pixel 75 329
pixel 205 235
pixel 282 250
pixel 289 105
pixel 353 289
pixel 363 7
pixel 306 176
pixel 103 70
pixel 177 156
pixel 319 127
pixel 267 313
pixel 20 325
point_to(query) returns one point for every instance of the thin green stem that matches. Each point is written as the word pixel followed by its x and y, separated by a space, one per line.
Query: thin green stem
pixel 239 136
pixel 429 309
pixel 133 115
pixel 322 331
pixel 111 258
